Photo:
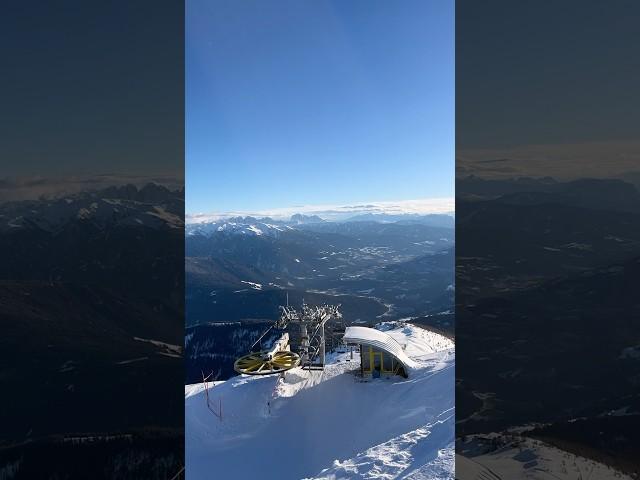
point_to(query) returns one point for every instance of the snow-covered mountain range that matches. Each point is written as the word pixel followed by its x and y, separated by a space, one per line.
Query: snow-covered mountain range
pixel 152 206
pixel 239 225
pixel 267 226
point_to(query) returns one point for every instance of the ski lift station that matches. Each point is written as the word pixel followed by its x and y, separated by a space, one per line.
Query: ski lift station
pixel 380 354
pixel 312 378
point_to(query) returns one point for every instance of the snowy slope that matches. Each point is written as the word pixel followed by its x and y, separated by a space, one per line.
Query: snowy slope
pixel 516 457
pixel 328 425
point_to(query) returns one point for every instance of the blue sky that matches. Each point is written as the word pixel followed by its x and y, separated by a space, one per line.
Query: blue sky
pixel 90 89
pixel 302 102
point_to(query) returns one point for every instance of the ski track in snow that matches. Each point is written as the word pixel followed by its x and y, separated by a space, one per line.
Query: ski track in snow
pixel 424 453
pixel 327 425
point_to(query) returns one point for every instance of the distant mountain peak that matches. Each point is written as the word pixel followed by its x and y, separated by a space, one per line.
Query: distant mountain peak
pixel 299 218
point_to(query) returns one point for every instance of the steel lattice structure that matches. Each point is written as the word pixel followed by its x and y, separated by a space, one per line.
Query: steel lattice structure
pixel 310 322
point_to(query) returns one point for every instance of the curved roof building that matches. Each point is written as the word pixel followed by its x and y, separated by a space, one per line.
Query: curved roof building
pixel 376 343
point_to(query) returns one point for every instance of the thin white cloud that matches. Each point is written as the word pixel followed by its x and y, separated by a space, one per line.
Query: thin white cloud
pixel 562 161
pixel 422 206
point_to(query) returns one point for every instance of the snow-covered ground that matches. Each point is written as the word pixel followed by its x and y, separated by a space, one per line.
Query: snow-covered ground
pixel 517 457
pixel 326 424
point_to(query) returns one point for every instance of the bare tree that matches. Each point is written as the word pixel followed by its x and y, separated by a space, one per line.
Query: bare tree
pixel 212 409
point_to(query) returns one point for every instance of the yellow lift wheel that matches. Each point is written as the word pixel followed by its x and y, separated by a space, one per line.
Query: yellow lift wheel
pixel 266 363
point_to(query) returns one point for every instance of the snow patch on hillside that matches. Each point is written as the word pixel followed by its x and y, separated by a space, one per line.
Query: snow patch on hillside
pixel 255 286
pixel 516 457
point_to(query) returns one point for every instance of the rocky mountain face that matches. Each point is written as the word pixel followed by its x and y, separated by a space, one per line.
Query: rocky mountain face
pixel 91 295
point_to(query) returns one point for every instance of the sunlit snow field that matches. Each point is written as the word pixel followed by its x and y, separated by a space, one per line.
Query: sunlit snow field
pixel 326 424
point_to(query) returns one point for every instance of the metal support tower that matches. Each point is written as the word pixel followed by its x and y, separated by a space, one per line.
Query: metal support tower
pixel 311 322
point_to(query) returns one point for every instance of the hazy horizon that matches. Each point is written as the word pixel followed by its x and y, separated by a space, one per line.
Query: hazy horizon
pixel 425 206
